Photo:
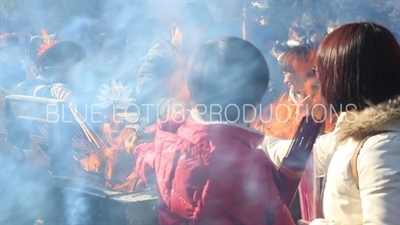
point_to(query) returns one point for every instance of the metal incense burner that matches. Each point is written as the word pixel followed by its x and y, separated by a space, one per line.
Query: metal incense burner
pixel 53 140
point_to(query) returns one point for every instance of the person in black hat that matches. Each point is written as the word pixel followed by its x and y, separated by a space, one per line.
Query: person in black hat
pixel 160 78
pixel 12 71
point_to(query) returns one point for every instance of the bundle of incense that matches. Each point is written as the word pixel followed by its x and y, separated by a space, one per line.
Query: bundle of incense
pixel 294 163
pixel 90 134
pixel 310 198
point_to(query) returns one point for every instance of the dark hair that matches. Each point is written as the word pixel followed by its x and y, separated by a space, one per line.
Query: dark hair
pixel 315 29
pixel 359 62
pixel 8 40
pixel 58 60
pixel 265 33
pixel 299 60
pixel 194 15
pixel 397 36
pixel 298 30
pixel 281 47
pixel 227 72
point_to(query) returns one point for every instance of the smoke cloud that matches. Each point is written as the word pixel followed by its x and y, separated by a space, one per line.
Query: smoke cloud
pixel 116 35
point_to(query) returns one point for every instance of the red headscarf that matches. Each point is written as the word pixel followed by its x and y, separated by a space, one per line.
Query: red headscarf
pixel 8 40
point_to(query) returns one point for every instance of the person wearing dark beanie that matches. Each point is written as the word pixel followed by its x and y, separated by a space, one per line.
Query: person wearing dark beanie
pixel 11 69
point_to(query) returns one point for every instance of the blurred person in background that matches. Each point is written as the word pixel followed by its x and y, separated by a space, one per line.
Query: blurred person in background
pixel 12 71
pixel 19 182
pixel 266 38
pixel 279 49
pixel 21 29
pixel 145 34
pixel 62 73
pixel 296 66
pixel 160 78
pixel 332 25
pixel 316 35
pixel 283 116
pixel 58 71
pixel 296 36
pixel 358 69
pixel 96 65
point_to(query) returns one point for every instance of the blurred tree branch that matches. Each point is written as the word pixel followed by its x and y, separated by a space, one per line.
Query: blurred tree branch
pixel 301 13
pixel 304 13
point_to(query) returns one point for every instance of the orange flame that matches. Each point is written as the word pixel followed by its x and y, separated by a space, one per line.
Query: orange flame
pixel 176 85
pixel 116 162
pixel 113 161
pixel 47 42
pixel 281 118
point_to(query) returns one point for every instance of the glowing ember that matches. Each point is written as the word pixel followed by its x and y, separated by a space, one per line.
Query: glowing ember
pixel 91 163
pixel 115 161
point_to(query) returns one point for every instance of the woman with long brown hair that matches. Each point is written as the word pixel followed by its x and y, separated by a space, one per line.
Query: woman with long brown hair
pixel 281 118
pixel 358 68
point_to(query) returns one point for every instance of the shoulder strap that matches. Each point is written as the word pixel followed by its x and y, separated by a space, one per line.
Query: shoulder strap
pixel 353 163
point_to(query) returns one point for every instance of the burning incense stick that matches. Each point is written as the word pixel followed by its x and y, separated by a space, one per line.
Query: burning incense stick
pixel 310 199
pixel 293 165
pixel 89 132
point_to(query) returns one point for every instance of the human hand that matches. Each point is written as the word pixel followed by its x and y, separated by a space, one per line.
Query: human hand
pixel 303 222
pixel 60 92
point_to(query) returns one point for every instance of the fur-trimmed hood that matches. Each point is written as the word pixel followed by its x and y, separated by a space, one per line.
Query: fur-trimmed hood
pixel 372 120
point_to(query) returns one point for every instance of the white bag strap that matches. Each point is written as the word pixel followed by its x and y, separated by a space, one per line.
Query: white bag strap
pixel 353 164
pixel 354 171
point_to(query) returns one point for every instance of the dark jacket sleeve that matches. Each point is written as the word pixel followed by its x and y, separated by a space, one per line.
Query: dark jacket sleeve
pixel 152 76
pixel 155 68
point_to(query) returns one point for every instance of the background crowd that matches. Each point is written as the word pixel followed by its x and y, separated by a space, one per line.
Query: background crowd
pixel 297 53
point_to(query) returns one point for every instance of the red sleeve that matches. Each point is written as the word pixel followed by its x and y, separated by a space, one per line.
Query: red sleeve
pixel 144 155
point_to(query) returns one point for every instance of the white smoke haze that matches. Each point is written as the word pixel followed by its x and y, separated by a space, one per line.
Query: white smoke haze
pixel 55 114
pixel 115 36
